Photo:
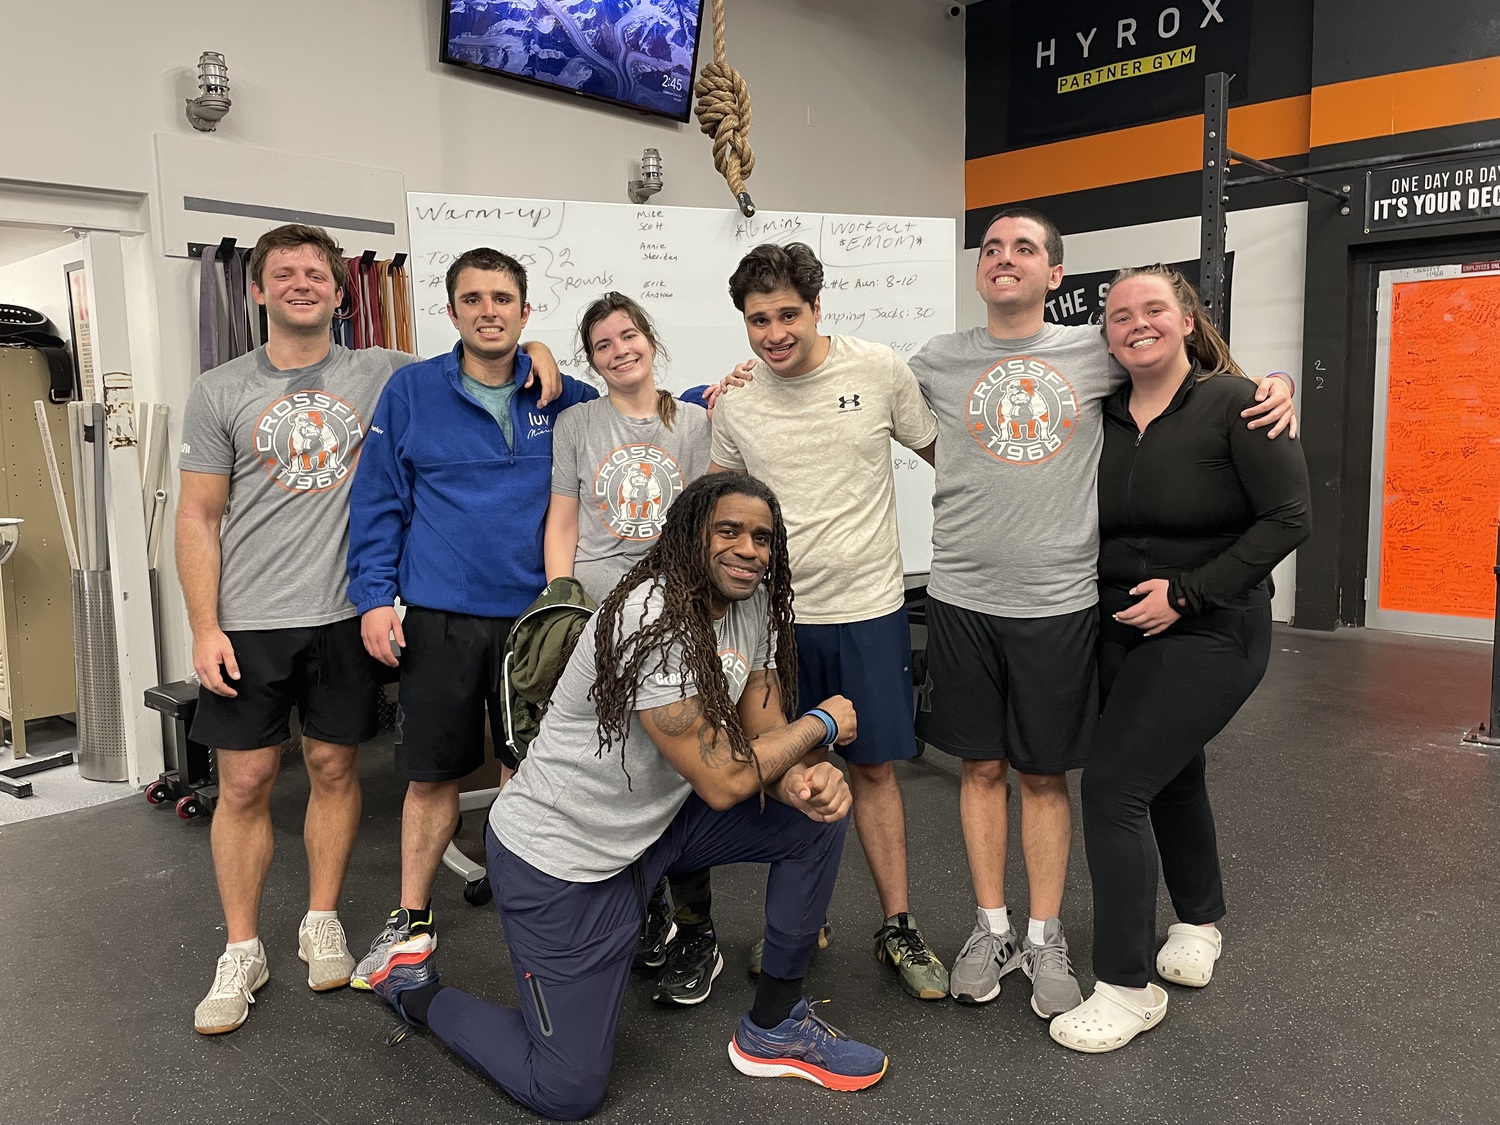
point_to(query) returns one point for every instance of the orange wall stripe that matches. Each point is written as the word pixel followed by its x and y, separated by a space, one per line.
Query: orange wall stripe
pixel 1406 102
pixel 1389 104
pixel 1144 152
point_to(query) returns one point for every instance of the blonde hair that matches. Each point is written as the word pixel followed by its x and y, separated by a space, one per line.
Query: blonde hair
pixel 1205 346
pixel 612 302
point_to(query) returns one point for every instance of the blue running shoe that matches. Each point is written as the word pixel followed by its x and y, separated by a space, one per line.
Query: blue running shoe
pixel 804 1046
pixel 410 964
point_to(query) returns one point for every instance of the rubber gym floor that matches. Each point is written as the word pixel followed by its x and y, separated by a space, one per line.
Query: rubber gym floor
pixel 1359 981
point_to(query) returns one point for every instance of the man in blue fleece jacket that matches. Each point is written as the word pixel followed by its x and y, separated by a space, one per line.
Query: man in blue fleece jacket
pixel 446 512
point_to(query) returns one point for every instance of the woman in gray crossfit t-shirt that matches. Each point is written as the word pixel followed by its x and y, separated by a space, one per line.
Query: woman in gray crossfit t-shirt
pixel 618 462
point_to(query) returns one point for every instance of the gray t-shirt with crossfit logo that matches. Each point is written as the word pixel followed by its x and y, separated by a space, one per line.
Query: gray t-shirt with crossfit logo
pixel 625 473
pixel 1015 520
pixel 288 441
pixel 583 815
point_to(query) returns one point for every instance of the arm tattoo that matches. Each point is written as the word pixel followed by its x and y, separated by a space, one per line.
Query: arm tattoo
pixel 676 719
pixel 713 747
pixel 803 737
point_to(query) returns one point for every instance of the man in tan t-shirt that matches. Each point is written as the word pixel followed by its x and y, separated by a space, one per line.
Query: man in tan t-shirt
pixel 818 431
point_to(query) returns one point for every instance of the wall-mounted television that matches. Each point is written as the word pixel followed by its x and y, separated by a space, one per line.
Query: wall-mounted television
pixel 636 53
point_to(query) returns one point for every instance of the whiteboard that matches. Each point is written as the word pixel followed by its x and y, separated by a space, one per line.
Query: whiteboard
pixel 888 279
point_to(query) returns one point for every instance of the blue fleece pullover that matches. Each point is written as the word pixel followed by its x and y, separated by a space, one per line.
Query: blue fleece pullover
pixel 442 511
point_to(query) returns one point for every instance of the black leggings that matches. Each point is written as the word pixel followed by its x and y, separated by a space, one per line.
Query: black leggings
pixel 1164 698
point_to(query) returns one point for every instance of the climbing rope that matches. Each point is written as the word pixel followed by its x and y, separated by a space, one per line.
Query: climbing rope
pixel 723 111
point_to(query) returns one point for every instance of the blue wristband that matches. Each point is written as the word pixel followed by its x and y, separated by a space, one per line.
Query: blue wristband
pixel 830 728
pixel 1291 386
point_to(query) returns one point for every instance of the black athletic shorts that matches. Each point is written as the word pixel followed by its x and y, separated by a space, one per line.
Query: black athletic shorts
pixel 450 674
pixel 1021 688
pixel 324 671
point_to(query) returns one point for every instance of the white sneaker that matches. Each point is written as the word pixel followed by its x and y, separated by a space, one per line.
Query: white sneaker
pixel 325 950
pixel 228 1002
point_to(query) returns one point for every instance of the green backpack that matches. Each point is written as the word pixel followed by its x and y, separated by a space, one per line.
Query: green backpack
pixel 536 652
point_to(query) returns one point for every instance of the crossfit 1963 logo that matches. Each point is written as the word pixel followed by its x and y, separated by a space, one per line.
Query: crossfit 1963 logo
pixel 308 440
pixel 1022 411
pixel 633 488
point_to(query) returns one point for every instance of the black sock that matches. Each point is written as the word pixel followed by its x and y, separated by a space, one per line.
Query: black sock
pixel 774 1000
pixel 692 894
pixel 421 917
pixel 687 931
pixel 416 1001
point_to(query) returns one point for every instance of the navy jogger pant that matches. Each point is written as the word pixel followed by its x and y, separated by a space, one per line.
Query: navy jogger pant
pixel 571 946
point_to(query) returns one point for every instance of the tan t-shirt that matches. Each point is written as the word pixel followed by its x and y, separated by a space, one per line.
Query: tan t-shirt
pixel 822 441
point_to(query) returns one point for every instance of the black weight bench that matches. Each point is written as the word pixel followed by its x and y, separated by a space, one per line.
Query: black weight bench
pixel 191 785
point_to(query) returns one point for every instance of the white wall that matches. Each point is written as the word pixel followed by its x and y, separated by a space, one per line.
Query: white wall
pixel 39 283
pixel 858 107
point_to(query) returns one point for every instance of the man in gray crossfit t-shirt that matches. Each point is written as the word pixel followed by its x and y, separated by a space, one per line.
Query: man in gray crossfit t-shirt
pixel 666 749
pixel 1011 610
pixel 269 443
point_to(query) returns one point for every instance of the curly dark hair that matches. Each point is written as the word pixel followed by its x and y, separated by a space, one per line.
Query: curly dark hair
pixel 769 267
pixel 676 568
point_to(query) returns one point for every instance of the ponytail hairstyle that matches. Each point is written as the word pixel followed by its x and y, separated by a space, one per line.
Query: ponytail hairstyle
pixel 607 305
pixel 1205 346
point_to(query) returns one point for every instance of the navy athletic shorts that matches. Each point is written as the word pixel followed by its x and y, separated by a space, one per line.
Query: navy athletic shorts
pixel 870 663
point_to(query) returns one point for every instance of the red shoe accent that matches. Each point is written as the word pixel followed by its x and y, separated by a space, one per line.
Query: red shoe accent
pixel 796 1068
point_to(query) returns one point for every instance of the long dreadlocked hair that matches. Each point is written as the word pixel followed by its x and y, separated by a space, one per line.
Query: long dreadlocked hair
pixel 676 568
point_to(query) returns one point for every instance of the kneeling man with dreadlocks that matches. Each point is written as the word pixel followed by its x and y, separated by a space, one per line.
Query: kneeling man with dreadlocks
pixel 667 732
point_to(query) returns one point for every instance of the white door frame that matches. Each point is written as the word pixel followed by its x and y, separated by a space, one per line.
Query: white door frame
pixel 119 280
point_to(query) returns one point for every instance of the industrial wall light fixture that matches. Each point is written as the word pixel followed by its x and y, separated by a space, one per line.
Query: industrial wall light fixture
pixel 206 110
pixel 650 182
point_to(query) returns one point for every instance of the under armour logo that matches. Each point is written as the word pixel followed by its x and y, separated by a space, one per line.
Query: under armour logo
pixel 848 402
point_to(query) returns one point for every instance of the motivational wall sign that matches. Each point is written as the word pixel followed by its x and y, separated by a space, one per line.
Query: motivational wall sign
pixel 1442 191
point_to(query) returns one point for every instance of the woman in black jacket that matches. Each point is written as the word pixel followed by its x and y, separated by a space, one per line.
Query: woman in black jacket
pixel 1194 512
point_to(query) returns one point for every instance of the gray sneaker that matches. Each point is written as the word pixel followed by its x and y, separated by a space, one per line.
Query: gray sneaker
pixel 1054 988
pixel 398 927
pixel 228 1002
pixel 980 964
pixel 324 949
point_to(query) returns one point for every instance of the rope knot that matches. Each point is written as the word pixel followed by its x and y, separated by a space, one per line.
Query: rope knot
pixel 723 111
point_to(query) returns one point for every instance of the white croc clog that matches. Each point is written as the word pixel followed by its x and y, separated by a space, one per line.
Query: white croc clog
pixel 1108 1019
pixel 1189 954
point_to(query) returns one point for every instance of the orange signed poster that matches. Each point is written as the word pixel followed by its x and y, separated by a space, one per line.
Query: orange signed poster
pixel 1442 448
